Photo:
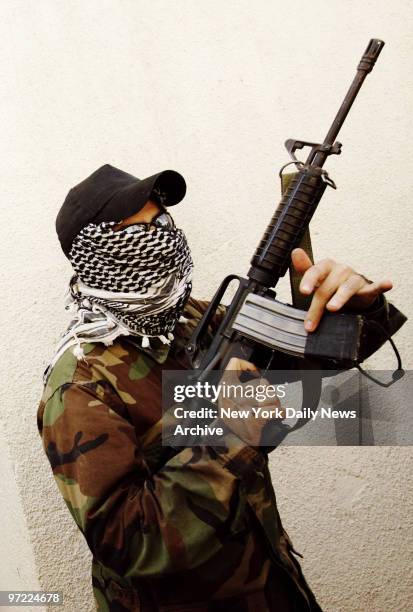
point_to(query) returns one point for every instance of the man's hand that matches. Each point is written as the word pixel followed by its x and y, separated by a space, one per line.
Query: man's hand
pixel 247 429
pixel 334 285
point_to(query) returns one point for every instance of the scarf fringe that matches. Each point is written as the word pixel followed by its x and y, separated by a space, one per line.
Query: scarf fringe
pixel 78 352
pixel 145 342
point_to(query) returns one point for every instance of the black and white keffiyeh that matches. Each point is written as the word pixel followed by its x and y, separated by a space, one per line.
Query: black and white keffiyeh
pixel 133 281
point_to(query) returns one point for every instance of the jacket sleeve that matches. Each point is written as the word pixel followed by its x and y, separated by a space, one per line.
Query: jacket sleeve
pixel 135 522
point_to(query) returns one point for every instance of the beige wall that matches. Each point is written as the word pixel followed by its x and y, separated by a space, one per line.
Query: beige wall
pixel 18 567
pixel 211 89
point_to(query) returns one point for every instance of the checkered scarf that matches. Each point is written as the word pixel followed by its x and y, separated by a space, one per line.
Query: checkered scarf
pixel 134 281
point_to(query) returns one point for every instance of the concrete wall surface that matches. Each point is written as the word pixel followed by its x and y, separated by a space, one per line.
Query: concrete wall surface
pixel 211 89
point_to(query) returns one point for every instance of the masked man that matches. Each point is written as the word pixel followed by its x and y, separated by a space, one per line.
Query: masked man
pixel 191 530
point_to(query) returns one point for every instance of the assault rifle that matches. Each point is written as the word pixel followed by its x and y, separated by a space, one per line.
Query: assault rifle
pixel 256 326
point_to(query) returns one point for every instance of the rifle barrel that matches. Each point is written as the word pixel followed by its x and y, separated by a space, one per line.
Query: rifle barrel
pixel 365 66
pixel 293 214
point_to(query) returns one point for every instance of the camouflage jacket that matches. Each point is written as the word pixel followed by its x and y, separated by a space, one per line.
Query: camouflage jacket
pixel 197 530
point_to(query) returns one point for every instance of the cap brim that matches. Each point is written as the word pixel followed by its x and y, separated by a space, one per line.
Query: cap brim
pixel 172 184
pixel 132 198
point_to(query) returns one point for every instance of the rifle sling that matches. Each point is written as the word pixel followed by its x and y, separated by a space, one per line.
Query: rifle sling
pixel 298 299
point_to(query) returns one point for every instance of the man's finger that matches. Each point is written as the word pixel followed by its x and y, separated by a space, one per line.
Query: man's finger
pixel 300 261
pixel 374 289
pixel 323 294
pixel 235 363
pixel 346 290
pixel 315 275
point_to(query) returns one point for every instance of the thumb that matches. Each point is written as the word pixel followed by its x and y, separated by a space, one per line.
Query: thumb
pixel 301 260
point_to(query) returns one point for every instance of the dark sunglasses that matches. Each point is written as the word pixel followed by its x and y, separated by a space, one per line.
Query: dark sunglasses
pixel 163 219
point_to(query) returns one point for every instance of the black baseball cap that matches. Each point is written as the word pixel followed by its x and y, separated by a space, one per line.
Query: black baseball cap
pixel 110 194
